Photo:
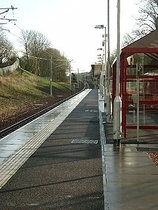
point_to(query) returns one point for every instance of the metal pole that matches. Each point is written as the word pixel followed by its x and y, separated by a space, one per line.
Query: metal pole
pixel 102 78
pixel 117 101
pixel 108 96
pixel 51 74
pixel 137 100
pixel 70 77
pixel 78 78
pixel 105 69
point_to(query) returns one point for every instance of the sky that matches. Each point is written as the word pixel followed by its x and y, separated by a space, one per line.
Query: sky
pixel 69 25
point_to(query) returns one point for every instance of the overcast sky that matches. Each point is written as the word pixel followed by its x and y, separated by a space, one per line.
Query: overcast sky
pixel 69 24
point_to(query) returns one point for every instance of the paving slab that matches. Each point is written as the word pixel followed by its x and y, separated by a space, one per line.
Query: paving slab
pixel 62 173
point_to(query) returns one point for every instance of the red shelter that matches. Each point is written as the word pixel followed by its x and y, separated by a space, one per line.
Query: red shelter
pixel 138 83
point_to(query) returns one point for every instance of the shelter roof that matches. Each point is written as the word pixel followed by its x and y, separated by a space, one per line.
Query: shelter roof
pixel 148 41
pixel 147 45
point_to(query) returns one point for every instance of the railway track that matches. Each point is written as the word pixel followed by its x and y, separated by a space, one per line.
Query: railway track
pixel 28 119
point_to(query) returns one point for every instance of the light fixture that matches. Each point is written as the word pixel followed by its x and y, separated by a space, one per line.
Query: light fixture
pixel 99 26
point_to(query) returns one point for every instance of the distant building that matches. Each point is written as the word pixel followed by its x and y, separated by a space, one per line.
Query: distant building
pixel 95 72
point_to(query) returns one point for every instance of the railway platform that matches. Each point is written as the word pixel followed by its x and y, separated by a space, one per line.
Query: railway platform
pixel 63 161
pixel 59 165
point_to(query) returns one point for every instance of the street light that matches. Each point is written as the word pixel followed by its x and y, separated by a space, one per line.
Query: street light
pixel 104 67
pixel 99 26
pixel 101 84
pixel 51 75
pixel 117 100
pixel 108 100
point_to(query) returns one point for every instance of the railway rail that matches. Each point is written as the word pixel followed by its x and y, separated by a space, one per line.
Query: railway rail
pixel 28 119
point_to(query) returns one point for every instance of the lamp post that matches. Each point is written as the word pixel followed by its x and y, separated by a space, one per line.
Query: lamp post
pixel 108 96
pixel 51 74
pixel 70 78
pixel 102 73
pixel 117 100
pixel 104 84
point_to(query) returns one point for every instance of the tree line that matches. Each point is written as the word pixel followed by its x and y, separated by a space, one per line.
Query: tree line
pixel 37 57
pixel 146 21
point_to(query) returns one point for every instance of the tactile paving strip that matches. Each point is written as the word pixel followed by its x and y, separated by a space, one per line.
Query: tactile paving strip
pixel 84 141
pixel 10 166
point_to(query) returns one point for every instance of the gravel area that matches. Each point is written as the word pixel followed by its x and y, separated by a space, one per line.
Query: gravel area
pixel 154 157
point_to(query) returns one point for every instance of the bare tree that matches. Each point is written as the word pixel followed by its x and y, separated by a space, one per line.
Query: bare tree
pixel 7 54
pixel 127 39
pixel 148 18
pixel 33 43
pixel 41 57
pixel 52 57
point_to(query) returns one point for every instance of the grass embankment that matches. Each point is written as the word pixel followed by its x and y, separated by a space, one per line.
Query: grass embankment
pixel 21 88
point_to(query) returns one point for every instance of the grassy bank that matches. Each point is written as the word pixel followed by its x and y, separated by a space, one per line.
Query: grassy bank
pixel 20 88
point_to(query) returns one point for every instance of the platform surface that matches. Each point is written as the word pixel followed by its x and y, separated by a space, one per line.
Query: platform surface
pixel 69 165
